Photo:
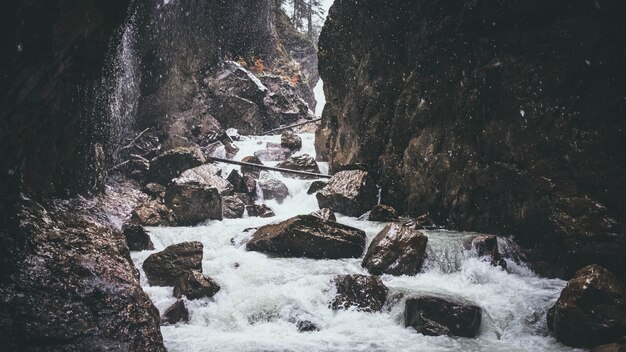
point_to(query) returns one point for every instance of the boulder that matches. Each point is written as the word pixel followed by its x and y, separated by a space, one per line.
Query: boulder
pixel 208 175
pixel 290 140
pixel 174 162
pixel 366 293
pixel 253 171
pixel 434 316
pixel 152 213
pixel 302 162
pixel 137 237
pixel 176 313
pixel 193 202
pixel 396 250
pixel 260 210
pixel 233 207
pixel 350 192
pixel 273 153
pixel 591 309
pixel 154 190
pixel 242 184
pixel 487 246
pixel 423 222
pixel 382 213
pixel 308 236
pixel 325 214
pixel 165 267
pixel 195 285
pixel 272 188
pixel 316 186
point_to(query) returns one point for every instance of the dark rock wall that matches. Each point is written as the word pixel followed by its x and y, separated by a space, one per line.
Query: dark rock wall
pixel 499 116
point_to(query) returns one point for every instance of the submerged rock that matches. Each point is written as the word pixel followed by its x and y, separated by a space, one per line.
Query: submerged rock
pixel 260 210
pixel 302 162
pixel 195 285
pixel 325 214
pixel 348 192
pixel 272 188
pixel 436 316
pixel 233 207
pixel 176 313
pixel 290 141
pixel 193 202
pixel 174 162
pixel 316 186
pixel 396 250
pixel 366 293
pixel 308 236
pixel 137 237
pixel 165 267
pixel 382 213
pixel 591 309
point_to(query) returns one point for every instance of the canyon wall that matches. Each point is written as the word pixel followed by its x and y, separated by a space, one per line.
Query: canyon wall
pixel 498 116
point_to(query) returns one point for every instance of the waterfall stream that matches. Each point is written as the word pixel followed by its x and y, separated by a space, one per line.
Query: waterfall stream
pixel 262 296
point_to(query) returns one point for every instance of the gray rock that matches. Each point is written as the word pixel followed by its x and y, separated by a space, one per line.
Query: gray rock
pixel 302 162
pixel 233 207
pixel 291 141
pixel 209 175
pixel 260 210
pixel 348 192
pixel 396 250
pixel 272 188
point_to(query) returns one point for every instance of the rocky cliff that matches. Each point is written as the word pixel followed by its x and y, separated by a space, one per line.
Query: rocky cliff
pixel 498 116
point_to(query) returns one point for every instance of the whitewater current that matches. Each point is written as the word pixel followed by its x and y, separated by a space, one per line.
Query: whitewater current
pixel 262 296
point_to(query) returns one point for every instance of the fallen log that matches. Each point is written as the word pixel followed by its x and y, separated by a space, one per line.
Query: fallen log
pixel 265 167
pixel 291 126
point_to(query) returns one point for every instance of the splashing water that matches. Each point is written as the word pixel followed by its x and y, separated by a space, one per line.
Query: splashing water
pixel 262 296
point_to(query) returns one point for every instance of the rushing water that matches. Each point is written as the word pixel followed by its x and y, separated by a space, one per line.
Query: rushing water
pixel 262 296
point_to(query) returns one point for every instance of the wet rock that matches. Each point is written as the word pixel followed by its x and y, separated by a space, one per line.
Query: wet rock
pixel 290 140
pixel 243 184
pixel 366 293
pixel 302 162
pixel 193 202
pixel 165 267
pixel 249 170
pixel 348 192
pixel 260 210
pixel 137 237
pixel 272 188
pixel 308 236
pixel 612 347
pixel 591 309
pixel 306 326
pixel 383 213
pixel 316 186
pixel 396 250
pixel 273 153
pixel 325 214
pixel 436 316
pixel 209 175
pixel 423 222
pixel 174 162
pixel 152 213
pixel 154 190
pixel 195 285
pixel 487 246
pixel 176 313
pixel 233 207
pixel 138 167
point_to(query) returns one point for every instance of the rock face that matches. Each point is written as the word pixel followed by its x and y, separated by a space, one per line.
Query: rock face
pixel 491 138
pixel 591 310
pixel 193 202
pixel 383 213
pixel 436 316
pixel 174 162
pixel 164 268
pixel 348 192
pixel 396 250
pixel 308 236
pixel 195 285
pixel 367 293
pixel 302 162
pixel 137 237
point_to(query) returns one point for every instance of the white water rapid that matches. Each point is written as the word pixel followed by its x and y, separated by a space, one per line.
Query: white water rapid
pixel 262 296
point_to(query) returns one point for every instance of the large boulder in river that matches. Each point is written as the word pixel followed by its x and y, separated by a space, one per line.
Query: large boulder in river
pixel 195 285
pixel 233 207
pixel 308 236
pixel 272 188
pixel 137 237
pixel 436 316
pixel 290 140
pixel 591 309
pixel 193 202
pixel 350 192
pixel 366 293
pixel 165 267
pixel 174 162
pixel 209 175
pixel 382 213
pixel 396 250
pixel 302 162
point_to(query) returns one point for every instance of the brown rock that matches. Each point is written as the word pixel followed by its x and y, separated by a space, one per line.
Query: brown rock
pixel 316 186
pixel 612 347
pixel 383 213
pixel 302 162
pixel 174 162
pixel 396 250
pixel 253 171
pixel 260 210
pixel 152 213
pixel 291 140
pixel 193 202
pixel 195 285
pixel 272 188
pixel 137 237
pixel 165 267
pixel 308 236
pixel 348 192
pixel 435 316
pixel 325 214
pixel 154 190
pixel 176 313
pixel 366 293
pixel 233 207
